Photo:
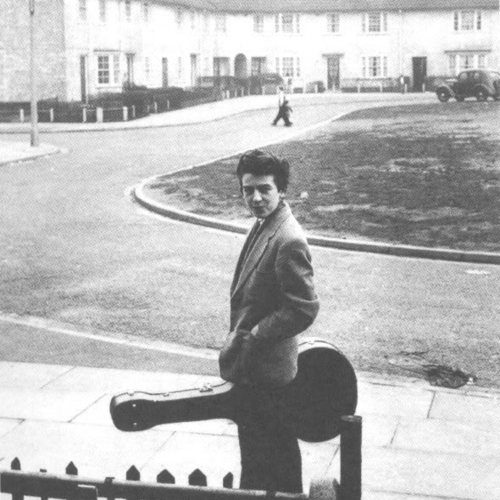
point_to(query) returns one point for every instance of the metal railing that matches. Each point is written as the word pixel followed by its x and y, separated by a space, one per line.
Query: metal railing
pixel 70 486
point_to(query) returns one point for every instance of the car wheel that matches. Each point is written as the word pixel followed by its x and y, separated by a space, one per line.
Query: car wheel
pixel 443 95
pixel 459 98
pixel 481 94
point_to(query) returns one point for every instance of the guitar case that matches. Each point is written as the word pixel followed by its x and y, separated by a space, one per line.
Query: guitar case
pixel 324 390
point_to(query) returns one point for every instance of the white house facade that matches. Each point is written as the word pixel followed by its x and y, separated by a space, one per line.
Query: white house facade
pixel 86 47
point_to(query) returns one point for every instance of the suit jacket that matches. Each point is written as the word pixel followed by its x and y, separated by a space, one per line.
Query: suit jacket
pixel 272 290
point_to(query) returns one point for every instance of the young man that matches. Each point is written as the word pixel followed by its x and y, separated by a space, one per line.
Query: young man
pixel 272 301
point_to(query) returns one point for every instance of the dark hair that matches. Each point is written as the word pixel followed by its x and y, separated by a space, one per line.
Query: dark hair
pixel 258 162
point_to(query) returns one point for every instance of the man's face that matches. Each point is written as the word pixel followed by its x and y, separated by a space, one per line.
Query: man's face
pixel 261 194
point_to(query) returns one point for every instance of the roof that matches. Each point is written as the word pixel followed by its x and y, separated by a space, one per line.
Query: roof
pixel 320 6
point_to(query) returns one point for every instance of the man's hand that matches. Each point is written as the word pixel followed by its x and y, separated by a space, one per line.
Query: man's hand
pixel 236 359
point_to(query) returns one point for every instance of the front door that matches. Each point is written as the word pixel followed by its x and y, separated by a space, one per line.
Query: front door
pixel 164 72
pixel 130 69
pixel 419 73
pixel 194 70
pixel 333 72
pixel 83 79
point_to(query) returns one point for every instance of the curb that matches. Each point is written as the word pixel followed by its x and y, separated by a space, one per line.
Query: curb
pixel 339 244
pixel 48 151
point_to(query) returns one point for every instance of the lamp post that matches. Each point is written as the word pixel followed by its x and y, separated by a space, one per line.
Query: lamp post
pixel 34 106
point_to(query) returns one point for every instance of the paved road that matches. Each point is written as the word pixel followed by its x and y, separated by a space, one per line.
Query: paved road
pixel 76 252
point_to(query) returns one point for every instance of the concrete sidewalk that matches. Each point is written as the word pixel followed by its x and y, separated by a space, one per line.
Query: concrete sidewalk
pixel 418 441
pixel 220 109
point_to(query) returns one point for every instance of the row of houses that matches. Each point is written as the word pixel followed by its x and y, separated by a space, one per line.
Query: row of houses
pixel 93 46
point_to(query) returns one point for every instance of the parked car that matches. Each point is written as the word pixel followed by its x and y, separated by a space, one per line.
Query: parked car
pixel 478 83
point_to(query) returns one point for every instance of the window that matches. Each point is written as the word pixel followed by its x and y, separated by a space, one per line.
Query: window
pixel 287 23
pixel 332 23
pixel 82 8
pixel 466 61
pixel 147 68
pixel 374 66
pixel 179 68
pixel 220 22
pixel 375 22
pixel 178 17
pixel 467 20
pixel 206 22
pixel 128 10
pixel 192 18
pixel 258 65
pixel 108 69
pixel 145 10
pixel 102 11
pixel 452 64
pixel 460 61
pixel 258 23
pixel 289 66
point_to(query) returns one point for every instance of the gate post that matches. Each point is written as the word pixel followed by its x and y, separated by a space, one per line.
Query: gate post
pixel 350 457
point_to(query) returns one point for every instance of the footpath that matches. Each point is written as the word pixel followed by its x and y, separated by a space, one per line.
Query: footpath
pixel 419 441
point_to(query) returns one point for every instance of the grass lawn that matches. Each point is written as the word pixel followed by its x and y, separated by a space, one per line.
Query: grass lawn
pixel 424 175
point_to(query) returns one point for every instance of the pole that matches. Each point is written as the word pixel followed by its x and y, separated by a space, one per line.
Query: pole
pixel 34 105
pixel 350 457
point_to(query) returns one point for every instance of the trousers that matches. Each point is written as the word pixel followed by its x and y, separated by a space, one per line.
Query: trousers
pixel 270 453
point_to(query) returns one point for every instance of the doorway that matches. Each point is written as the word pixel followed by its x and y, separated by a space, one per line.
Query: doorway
pixel 130 69
pixel 194 70
pixel 419 73
pixel 333 72
pixel 164 72
pixel 84 95
pixel 240 66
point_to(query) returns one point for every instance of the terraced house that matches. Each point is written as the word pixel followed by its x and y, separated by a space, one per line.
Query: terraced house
pixel 91 46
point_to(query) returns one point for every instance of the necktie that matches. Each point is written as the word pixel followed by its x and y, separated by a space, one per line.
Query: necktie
pixel 252 237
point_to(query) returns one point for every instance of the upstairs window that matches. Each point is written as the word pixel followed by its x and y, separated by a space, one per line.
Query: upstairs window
pixel 287 23
pixel 332 22
pixel 467 20
pixel 178 17
pixel 128 10
pixel 82 9
pixel 102 11
pixel 145 10
pixel 220 23
pixel 375 22
pixel 258 23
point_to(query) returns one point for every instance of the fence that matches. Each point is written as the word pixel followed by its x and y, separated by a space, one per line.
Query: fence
pixel 73 487
pixel 361 85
